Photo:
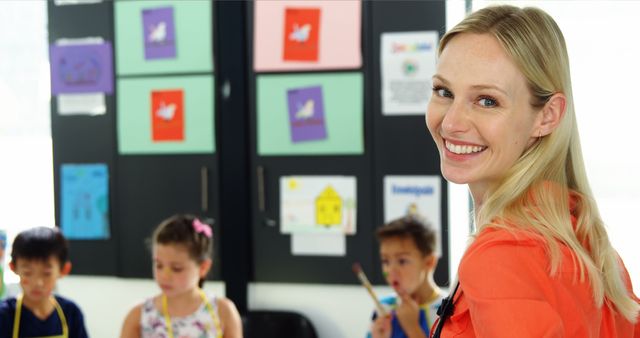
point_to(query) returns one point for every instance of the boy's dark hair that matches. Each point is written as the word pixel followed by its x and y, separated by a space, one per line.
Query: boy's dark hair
pixel 413 227
pixel 39 244
pixel 180 230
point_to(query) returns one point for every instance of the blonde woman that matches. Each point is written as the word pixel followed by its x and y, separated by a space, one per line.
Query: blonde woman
pixel 502 116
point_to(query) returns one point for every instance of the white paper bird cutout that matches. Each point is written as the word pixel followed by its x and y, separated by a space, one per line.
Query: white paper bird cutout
pixel 166 112
pixel 158 32
pixel 300 34
pixel 306 111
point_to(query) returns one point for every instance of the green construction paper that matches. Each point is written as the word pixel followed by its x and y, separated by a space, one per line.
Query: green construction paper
pixel 193 29
pixel 134 115
pixel 342 97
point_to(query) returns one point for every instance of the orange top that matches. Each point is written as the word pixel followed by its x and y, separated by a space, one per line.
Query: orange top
pixel 506 291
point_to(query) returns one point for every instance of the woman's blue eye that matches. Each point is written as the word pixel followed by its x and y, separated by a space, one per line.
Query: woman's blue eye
pixel 442 92
pixel 487 102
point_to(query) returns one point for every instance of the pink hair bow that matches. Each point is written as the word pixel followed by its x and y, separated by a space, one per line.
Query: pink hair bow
pixel 202 228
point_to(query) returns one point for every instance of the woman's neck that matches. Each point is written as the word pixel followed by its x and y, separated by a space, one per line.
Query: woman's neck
pixel 41 309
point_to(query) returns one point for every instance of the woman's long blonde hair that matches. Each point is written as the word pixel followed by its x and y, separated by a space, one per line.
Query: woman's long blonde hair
pixel 534 194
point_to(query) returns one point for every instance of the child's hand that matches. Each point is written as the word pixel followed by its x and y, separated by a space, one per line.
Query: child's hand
pixel 408 313
pixel 381 327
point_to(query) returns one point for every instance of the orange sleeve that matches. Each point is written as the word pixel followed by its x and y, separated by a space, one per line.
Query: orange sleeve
pixel 627 281
pixel 506 284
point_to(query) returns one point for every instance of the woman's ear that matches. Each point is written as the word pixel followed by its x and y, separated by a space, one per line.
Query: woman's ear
pixel 551 114
pixel 12 267
pixel 205 266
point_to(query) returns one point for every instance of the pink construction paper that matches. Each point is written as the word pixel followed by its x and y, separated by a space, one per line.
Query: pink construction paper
pixel 340 34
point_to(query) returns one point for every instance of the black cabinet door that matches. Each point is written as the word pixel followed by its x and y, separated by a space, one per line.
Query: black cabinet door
pixel 152 188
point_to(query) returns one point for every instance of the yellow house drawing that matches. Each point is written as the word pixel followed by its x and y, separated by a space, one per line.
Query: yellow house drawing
pixel 329 207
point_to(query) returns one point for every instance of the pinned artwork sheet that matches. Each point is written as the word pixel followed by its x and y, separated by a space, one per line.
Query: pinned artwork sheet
pixel 301 31
pixel 306 114
pixel 318 204
pixel 310 114
pixel 167 115
pixel 81 66
pixel 414 195
pixel 307 35
pixel 163 36
pixel 84 190
pixel 159 33
pixel 408 62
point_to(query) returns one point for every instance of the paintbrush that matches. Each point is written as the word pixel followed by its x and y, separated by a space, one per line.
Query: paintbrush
pixel 357 269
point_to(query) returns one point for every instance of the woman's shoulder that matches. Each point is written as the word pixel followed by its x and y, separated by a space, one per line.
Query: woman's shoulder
pixel 509 250
pixel 505 237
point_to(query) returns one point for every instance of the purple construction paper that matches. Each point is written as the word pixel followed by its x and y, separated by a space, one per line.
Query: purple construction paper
pixel 86 68
pixel 306 114
pixel 159 33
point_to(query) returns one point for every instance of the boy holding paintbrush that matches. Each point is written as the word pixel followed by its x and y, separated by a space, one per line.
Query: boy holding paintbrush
pixel 408 255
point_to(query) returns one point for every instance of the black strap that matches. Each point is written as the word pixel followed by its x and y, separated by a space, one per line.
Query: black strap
pixel 445 310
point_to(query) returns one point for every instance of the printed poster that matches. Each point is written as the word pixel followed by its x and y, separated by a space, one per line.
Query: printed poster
pixel 84 199
pixel 413 195
pixel 306 35
pixel 342 109
pixel 81 66
pixel 318 204
pixel 306 114
pixel 159 33
pixel 408 64
pixel 301 31
pixel 167 115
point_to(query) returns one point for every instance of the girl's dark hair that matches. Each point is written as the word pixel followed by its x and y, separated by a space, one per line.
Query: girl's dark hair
pixel 413 227
pixel 39 244
pixel 180 230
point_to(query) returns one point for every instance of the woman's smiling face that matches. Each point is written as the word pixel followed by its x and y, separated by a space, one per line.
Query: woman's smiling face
pixel 480 114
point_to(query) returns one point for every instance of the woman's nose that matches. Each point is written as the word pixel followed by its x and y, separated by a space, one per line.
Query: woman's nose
pixel 455 119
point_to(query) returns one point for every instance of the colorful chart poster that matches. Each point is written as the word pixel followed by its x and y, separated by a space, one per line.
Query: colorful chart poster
pixel 306 114
pixel 318 204
pixel 187 34
pixel 301 30
pixel 139 132
pixel 342 101
pixel 408 61
pixel 167 115
pixel 307 35
pixel 159 33
pixel 413 195
pixel 82 67
pixel 84 190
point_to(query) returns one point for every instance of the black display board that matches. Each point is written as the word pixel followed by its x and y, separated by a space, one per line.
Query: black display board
pixel 236 187
pixel 143 189
pixel 392 146
pixel 402 145
pixel 86 139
